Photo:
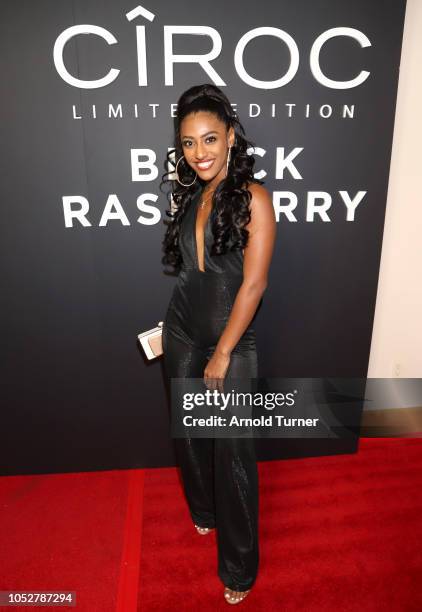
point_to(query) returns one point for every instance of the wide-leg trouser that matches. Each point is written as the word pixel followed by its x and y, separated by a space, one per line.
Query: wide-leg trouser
pixel 220 476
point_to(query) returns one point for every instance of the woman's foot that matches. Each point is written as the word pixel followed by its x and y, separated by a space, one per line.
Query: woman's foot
pixel 234 597
pixel 203 530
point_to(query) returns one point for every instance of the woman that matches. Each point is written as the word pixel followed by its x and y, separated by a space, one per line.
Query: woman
pixel 220 239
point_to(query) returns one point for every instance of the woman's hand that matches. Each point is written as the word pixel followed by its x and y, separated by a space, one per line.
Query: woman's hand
pixel 216 369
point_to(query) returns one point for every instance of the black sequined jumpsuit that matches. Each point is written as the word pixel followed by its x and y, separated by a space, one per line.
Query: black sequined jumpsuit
pixel 220 476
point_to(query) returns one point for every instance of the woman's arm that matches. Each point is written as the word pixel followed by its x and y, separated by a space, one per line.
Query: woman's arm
pixel 256 262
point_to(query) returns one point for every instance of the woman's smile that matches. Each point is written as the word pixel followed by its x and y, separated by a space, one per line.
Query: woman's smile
pixel 205 165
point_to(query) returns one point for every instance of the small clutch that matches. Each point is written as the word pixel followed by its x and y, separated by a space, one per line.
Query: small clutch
pixel 151 341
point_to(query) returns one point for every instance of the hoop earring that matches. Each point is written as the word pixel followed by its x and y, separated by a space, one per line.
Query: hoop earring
pixel 177 174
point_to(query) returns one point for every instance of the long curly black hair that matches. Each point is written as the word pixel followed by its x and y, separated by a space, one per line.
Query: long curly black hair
pixel 230 200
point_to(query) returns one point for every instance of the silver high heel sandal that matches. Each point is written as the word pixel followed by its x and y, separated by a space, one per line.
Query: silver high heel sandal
pixel 234 599
pixel 203 530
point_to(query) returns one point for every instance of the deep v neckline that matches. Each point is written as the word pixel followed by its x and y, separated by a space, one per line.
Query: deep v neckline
pixel 203 232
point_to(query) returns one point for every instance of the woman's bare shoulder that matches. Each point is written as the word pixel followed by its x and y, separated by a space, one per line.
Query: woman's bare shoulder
pixel 258 192
pixel 261 200
pixel 261 208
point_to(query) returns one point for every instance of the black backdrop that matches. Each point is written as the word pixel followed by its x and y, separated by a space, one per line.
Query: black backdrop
pixel 77 392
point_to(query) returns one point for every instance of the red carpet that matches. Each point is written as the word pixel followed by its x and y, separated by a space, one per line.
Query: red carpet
pixel 337 533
